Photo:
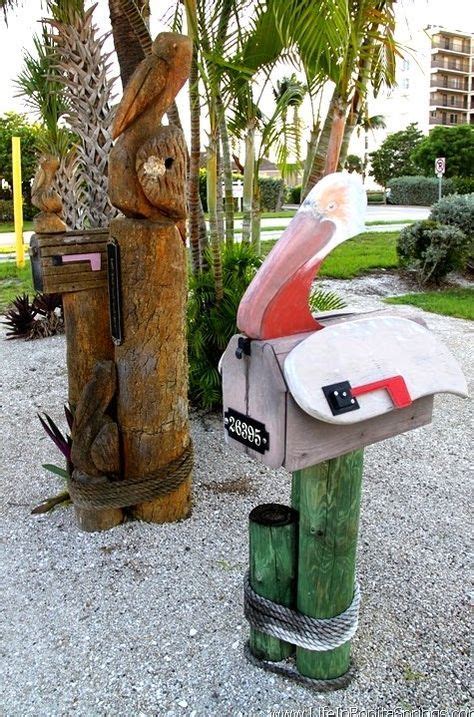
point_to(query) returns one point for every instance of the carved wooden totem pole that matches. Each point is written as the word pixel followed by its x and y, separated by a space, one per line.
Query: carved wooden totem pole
pixel 308 393
pixel 124 294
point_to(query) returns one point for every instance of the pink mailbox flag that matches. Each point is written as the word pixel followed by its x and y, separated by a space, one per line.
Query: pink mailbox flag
pixel 276 302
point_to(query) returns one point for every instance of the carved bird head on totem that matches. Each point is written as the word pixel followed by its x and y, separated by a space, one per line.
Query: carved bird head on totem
pixel 156 81
pixel 276 302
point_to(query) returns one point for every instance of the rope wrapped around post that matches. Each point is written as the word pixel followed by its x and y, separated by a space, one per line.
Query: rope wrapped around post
pixel 103 492
pixel 286 624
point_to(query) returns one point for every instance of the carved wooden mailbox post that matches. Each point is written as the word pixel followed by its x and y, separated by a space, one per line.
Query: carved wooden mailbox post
pixel 308 394
pixel 124 293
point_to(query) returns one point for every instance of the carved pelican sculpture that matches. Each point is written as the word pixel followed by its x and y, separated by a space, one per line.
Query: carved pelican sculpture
pixel 387 360
pixel 46 199
pixel 148 159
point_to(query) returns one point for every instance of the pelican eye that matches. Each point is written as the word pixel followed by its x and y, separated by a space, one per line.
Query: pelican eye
pixel 331 206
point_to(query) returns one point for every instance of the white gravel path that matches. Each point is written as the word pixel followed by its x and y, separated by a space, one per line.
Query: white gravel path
pixel 147 620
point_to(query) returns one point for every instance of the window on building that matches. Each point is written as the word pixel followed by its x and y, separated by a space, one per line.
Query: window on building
pixel 405 65
pixel 405 83
pixel 453 118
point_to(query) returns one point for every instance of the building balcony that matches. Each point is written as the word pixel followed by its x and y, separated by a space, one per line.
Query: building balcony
pixel 450 66
pixel 447 102
pixel 447 121
pixel 445 83
pixel 450 45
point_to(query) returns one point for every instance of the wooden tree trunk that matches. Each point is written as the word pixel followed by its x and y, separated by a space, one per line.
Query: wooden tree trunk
pixel 319 155
pixel 152 368
pixel 272 548
pixel 86 317
pixel 327 497
pixel 336 138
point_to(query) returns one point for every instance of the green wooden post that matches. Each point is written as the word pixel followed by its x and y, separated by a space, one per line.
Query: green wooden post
pixel 327 497
pixel 272 546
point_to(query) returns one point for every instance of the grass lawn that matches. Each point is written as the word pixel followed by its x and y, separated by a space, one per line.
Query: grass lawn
pixel 10 227
pixel 364 253
pixel 13 281
pixel 451 302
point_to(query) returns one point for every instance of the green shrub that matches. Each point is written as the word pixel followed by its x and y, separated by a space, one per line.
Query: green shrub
pixel 293 195
pixel 272 194
pixel 419 191
pixel 211 325
pixel 272 191
pixel 456 210
pixel 375 197
pixel 463 185
pixel 6 210
pixel 432 249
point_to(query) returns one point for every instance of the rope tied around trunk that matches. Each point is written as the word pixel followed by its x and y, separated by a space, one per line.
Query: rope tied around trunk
pixel 311 633
pixel 103 492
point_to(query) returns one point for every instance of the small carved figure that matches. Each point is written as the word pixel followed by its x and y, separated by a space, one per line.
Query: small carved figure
pixel 147 164
pixel 95 439
pixel 45 197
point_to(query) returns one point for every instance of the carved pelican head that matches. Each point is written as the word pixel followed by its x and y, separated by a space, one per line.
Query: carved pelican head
pixel 174 49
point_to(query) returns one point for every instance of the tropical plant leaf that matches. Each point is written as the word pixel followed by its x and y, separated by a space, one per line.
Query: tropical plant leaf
pixel 320 301
pixel 61 472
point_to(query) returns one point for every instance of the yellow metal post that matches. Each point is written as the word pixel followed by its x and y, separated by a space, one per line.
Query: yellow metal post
pixel 18 202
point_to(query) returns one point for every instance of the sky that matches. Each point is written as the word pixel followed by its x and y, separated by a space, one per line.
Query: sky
pixel 24 22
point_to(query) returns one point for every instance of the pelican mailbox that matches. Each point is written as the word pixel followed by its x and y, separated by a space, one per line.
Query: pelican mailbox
pixel 300 400
pixel 300 389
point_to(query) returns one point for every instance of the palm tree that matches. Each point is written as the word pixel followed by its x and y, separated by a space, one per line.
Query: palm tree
pixel 87 89
pixel 39 84
pixel 359 50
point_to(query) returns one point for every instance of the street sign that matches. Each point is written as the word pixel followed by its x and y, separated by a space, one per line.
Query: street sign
pixel 440 165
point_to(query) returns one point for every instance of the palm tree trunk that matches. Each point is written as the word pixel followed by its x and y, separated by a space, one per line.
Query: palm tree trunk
pixel 256 214
pixel 194 201
pixel 310 152
pixel 348 131
pixel 319 159
pixel 336 137
pixel 249 171
pixel 127 45
pixel 219 192
pixel 212 209
pixel 227 172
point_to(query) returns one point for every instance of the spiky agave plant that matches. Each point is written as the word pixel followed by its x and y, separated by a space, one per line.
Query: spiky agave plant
pixel 20 318
pixel 48 308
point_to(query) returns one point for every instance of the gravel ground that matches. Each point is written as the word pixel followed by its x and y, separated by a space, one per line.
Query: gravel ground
pixel 147 620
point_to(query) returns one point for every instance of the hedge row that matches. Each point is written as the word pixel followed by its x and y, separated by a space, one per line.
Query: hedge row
pixel 6 211
pixel 424 191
